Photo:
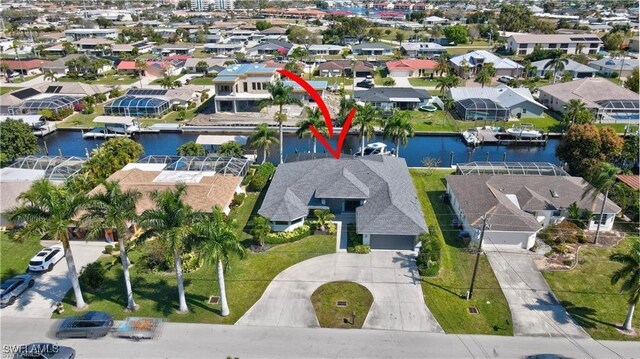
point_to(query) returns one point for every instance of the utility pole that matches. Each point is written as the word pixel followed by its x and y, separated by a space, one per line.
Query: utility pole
pixel 475 267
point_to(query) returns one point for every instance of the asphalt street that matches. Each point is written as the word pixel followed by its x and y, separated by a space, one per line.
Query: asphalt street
pixel 178 340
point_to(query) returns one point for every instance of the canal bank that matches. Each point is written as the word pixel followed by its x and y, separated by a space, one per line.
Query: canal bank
pixel 447 148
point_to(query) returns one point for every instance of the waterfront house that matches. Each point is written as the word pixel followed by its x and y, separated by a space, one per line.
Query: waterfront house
pixel 241 87
pixel 524 44
pixel 608 66
pixel 495 103
pixel 345 67
pixel 390 98
pixel 576 69
pixel 372 49
pixel 472 62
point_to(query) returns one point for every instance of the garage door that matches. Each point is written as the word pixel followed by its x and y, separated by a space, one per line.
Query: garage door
pixel 390 241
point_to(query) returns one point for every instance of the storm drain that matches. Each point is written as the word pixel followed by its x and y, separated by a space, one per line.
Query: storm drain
pixel 473 310
pixel 214 299
pixel 341 303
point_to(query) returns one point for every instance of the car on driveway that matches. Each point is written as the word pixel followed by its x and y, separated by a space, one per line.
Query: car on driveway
pixel 46 259
pixel 89 325
pixel 366 84
pixel 45 351
pixel 12 288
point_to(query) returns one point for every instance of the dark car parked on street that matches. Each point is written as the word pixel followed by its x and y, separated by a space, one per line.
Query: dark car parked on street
pixel 366 84
pixel 45 351
pixel 89 325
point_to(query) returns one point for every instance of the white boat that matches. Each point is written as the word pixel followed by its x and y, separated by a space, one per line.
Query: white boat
pixel 470 138
pixel 44 128
pixel 525 130
pixel 375 148
pixel 114 126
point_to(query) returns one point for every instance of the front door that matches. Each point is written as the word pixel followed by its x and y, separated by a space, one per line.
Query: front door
pixel 351 205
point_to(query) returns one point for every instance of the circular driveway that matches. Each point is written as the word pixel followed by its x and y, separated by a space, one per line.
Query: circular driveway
pixel 391 276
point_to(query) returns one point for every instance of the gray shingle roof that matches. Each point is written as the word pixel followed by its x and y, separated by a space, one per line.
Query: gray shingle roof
pixel 480 194
pixel 391 205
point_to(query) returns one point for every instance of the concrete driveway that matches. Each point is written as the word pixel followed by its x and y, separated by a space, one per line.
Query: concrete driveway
pixel 402 81
pixel 534 308
pixel 51 287
pixel 391 276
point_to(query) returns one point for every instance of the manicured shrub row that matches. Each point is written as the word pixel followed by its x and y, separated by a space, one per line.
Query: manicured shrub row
pixel 354 241
pixel 428 260
pixel 261 177
pixel 237 200
pixel 288 237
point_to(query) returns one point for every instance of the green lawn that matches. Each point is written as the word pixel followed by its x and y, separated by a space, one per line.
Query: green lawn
pixel 442 293
pixel 80 120
pixel 15 255
pixel 546 123
pixel 587 294
pixel 114 79
pixel 619 127
pixel 358 299
pixel 4 90
pixel 423 81
pixel 159 80
pixel 207 81
pixel 246 280
pixel 346 81
pixel 18 80
pixel 392 36
pixel 436 121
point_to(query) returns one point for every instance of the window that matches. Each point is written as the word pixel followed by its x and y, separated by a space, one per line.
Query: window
pixel 246 86
pixel 281 223
pixel 522 52
pixel 557 213
pixel 523 46
pixel 594 45
pixel 253 86
pixel 604 219
pixel 564 46
pixel 552 46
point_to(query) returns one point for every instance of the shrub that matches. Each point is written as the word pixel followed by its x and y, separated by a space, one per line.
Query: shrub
pixel 288 237
pixel 261 176
pixel 190 262
pixel 92 275
pixel 108 249
pixel 362 249
pixel 237 200
pixel 388 81
pixel 428 260
pixel 155 257
pixel 353 238
pixel 581 238
pixel 615 75
pixel 567 262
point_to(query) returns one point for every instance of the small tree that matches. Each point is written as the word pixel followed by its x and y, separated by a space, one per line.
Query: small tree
pixel 191 149
pixel 16 140
pixel 323 218
pixel 629 274
pixel 230 149
pixel 259 229
pixel 263 138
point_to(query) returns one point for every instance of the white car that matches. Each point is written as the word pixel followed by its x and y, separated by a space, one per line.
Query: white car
pixel 46 259
pixel 505 79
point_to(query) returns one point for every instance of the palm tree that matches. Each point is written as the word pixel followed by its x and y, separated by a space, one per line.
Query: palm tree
pixel 557 64
pixel 202 66
pixel 366 117
pixel 217 242
pixel 314 118
pixel 443 66
pixel 600 182
pixel 483 78
pixel 398 128
pixel 400 38
pixel 630 274
pixel 323 217
pixel 280 95
pixel 170 222
pixel 263 138
pixel 113 209
pixel 489 69
pixel 16 45
pixel 167 82
pixel 447 83
pixel 140 66
pixel 49 75
pixel 49 210
pixel 573 108
pixel 259 229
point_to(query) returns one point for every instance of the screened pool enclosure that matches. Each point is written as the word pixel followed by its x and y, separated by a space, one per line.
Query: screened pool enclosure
pixel 53 103
pixel 481 109
pixel 137 106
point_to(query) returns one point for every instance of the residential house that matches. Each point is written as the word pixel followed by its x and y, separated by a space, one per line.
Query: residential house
pixel 93 45
pixel 78 34
pixel 411 68
pixel 472 62
pixel 576 69
pixel 59 67
pixel 609 101
pixel 143 47
pixel 144 102
pixel 213 65
pixel 426 49
pixel 24 67
pixel 47 95
pixel 495 103
pixel 345 68
pixel 318 49
pixel 518 206
pixel 241 87
pixel 376 190
pixel 6 43
pixel 152 68
pixel 633 44
pixel 430 21
pixel 173 49
pixel 524 44
pixel 274 30
pixel 269 48
pixel 372 49
pixel 205 188
pixel 608 66
pixel 223 49
pixel 302 94
pixel 390 98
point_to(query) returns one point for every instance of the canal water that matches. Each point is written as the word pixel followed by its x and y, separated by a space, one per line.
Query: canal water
pixel 71 143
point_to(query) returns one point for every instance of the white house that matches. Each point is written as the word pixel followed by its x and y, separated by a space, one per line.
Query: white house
pixel 524 44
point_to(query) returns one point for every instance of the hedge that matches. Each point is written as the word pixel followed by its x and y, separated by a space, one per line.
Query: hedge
pixel 288 237
pixel 261 177
pixel 428 260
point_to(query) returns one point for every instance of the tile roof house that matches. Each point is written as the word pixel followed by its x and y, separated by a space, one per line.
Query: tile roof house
pixel 390 98
pixel 518 206
pixel 576 69
pixel 518 102
pixel 599 94
pixel 633 181
pixel 343 68
pixel 607 66
pixel 377 189
pixel 12 103
pixel 411 67
pixel 476 59
pixel 26 67
pixel 59 66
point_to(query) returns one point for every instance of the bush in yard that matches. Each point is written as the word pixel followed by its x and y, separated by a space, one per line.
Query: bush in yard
pixel 288 237
pixel 92 275
pixel 362 249
pixel 190 262
pixel 155 257
pixel 428 260
pixel 558 235
pixel 261 176
pixel 353 238
pixel 388 81
pixel 237 200
pixel 108 249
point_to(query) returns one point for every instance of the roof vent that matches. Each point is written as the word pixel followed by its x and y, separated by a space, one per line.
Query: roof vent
pixel 554 194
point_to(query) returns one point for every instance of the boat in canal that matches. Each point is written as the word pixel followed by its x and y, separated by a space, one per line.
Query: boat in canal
pixel 524 131
pixel 113 126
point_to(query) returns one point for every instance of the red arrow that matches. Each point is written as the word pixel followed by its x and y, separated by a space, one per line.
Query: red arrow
pixel 325 113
